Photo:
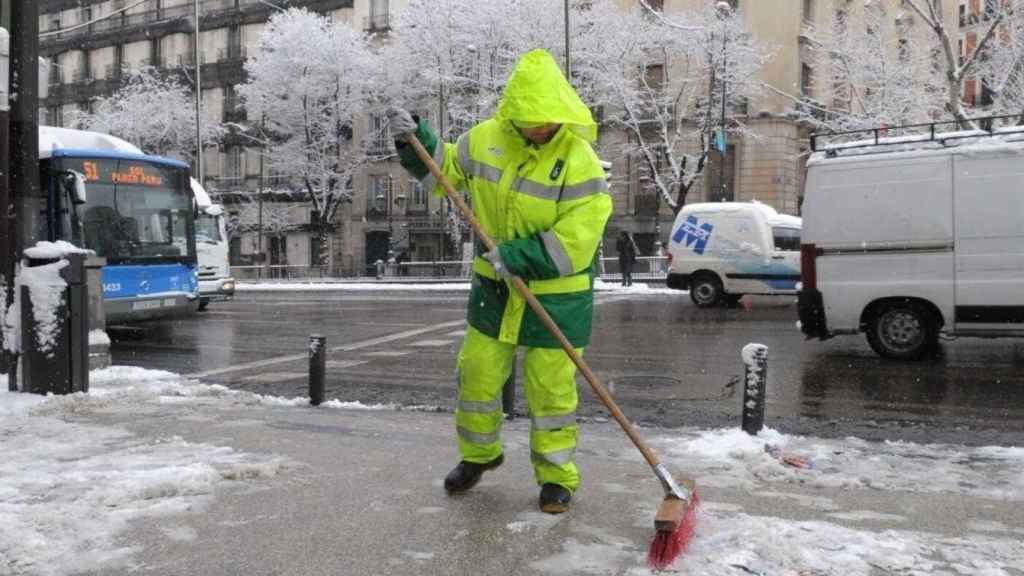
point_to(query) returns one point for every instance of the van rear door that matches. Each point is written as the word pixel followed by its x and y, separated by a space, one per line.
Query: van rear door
pixel 989 213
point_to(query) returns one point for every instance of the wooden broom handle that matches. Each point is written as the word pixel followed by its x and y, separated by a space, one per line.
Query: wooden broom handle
pixel 537 308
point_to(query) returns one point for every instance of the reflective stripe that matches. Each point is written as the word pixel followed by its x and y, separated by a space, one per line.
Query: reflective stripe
pixel 557 252
pixel 463 149
pixel 583 189
pixel 559 458
pixel 562 285
pixel 480 407
pixel 537 190
pixel 477 437
pixel 429 182
pixel 553 422
pixel 473 168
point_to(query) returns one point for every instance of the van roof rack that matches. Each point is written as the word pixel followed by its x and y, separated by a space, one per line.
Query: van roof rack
pixel 914 133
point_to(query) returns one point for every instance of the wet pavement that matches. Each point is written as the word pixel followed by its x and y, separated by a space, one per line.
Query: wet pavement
pixel 667 362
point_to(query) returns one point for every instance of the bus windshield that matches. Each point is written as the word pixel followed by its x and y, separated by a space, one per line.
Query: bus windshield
pixel 136 210
pixel 208 229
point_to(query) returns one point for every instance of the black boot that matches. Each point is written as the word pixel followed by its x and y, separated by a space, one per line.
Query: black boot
pixel 466 474
pixel 554 498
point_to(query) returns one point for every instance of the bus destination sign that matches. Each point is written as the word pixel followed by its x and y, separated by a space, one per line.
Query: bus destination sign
pixel 122 172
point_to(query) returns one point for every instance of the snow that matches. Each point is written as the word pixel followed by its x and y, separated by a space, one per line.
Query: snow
pixel 71 491
pixel 53 250
pixel 99 338
pixel 750 353
pixel 46 289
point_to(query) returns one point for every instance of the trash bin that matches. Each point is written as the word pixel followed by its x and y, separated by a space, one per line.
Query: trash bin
pixel 54 325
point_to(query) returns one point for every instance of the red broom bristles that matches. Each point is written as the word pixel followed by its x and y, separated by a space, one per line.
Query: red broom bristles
pixel 667 546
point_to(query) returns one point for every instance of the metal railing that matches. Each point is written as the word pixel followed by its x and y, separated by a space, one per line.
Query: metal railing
pixel 646 268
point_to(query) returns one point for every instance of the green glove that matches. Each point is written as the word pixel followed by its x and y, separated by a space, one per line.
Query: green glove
pixel 407 156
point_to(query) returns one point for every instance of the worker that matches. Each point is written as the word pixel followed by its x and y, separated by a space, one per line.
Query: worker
pixel 539 190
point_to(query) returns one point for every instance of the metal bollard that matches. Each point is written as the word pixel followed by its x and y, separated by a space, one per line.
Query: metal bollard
pixel 508 396
pixel 379 264
pixel 755 379
pixel 317 367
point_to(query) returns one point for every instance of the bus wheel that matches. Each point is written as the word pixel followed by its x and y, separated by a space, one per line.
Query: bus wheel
pixel 203 303
pixel 902 330
pixel 706 290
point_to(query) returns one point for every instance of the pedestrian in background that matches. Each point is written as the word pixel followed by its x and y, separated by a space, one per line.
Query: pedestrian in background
pixel 627 256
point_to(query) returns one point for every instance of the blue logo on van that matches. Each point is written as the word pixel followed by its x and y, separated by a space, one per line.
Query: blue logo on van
pixel 693 235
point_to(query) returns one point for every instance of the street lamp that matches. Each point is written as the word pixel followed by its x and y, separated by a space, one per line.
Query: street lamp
pixel 724 10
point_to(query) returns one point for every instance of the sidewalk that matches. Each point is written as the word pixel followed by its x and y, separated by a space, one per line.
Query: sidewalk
pixel 221 482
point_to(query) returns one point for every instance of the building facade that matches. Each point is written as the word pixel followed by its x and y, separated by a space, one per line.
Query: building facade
pixel 390 214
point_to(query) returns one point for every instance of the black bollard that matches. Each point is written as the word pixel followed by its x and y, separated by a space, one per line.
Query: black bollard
pixel 508 395
pixel 317 367
pixel 755 378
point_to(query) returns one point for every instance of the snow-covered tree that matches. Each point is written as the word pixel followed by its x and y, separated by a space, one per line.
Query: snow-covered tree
pixel 152 110
pixel 1000 67
pixel 901 63
pixel 663 78
pixel 245 216
pixel 309 81
pixel 878 69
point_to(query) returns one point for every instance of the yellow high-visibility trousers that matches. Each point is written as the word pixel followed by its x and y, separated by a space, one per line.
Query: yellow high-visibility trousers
pixel 484 365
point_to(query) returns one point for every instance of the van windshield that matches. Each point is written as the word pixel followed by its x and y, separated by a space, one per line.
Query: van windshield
pixel 786 239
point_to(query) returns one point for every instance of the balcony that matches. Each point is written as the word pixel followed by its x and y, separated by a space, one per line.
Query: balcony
pixel 377 22
pixel 231 53
pixel 426 224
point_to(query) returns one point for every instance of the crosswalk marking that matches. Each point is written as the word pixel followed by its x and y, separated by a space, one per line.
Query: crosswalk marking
pixel 431 343
pixel 338 364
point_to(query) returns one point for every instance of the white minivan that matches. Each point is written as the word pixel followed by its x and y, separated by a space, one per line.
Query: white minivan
pixel 904 241
pixel 720 251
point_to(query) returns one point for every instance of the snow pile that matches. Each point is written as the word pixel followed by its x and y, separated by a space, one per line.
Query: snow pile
pixel 69 490
pixel 730 458
pixel 53 250
pixel 46 289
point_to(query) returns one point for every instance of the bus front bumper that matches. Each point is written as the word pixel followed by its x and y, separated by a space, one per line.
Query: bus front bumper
pixel 217 289
pixel 148 307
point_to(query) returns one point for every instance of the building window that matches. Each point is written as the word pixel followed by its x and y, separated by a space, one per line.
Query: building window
pixel 809 11
pixel 418 196
pixel 377 195
pixel 806 80
pixel 654 76
pixel 381 134
pixel 54 116
pixel 379 18
pixel 234 162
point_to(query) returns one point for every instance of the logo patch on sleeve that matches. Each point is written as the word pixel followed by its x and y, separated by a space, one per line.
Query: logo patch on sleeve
pixel 556 170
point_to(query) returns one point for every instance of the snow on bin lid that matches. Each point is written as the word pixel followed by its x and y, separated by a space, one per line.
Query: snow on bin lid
pixel 53 250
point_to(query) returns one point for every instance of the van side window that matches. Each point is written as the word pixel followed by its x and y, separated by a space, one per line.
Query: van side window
pixel 786 239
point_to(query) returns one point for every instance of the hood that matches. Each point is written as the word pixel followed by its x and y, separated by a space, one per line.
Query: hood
pixel 537 91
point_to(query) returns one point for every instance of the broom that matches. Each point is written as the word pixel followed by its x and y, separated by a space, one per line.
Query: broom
pixel 677 514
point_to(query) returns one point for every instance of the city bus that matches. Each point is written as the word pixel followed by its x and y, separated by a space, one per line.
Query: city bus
pixel 136 210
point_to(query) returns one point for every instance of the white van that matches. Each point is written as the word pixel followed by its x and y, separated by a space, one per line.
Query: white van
pixel 721 251
pixel 904 241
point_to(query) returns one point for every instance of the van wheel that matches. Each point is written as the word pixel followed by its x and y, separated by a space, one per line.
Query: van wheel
pixel 706 290
pixel 903 330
